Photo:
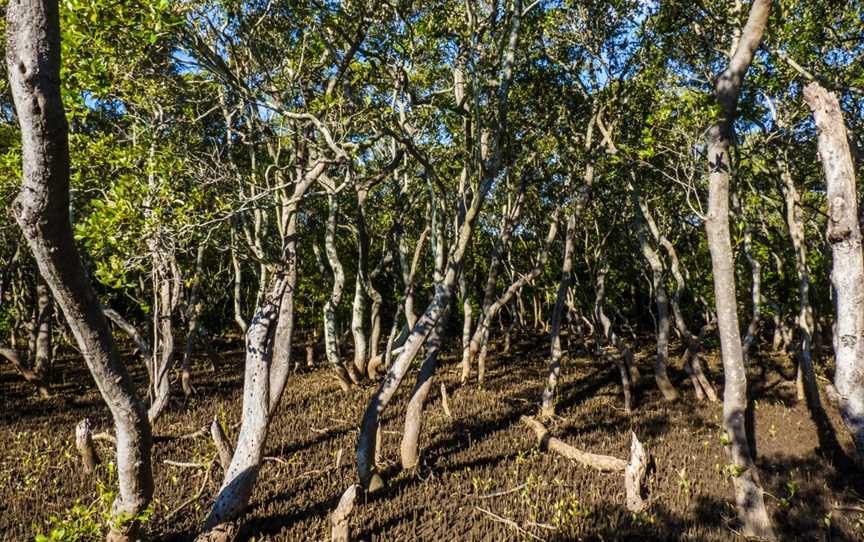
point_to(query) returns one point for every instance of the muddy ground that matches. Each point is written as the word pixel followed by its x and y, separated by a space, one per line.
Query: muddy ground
pixel 482 476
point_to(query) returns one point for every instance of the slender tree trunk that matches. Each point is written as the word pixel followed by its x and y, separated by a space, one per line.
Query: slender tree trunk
pixel 248 456
pixel 795 225
pixel 549 393
pixel 238 288
pixel 280 364
pixel 661 301
pixel 547 408
pixel 466 328
pixel 693 343
pixel 13 357
pixel 625 360
pixel 331 330
pixel 163 356
pixel 45 314
pixel 755 282
pixel 358 328
pixel 847 272
pixel 748 489
pixel 42 211
pixel 130 330
pixel 495 307
pixel 409 450
pixel 502 241
pixel 193 312
pixel 375 319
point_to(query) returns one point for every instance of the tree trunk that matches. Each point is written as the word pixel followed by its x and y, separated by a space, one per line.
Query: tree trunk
pixel 625 363
pixel 847 271
pixel 502 242
pixel 748 490
pixel 193 312
pixel 42 211
pixel 358 328
pixel 466 328
pixel 44 315
pixel 547 408
pixel 238 288
pixel 163 355
pixel 84 443
pixel 409 450
pixel 24 370
pixel 755 283
pixel 550 391
pixel 657 282
pixel 246 462
pixel 331 330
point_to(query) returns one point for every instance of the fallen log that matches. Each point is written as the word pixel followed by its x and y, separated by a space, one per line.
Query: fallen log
pixel 634 471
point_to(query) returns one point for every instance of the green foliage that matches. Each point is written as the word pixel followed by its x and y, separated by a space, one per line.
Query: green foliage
pixel 89 522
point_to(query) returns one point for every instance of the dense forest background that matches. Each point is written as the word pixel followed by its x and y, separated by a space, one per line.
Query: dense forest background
pixel 342 199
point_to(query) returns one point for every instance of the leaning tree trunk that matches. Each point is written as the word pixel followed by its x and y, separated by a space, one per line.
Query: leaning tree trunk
pixel 42 211
pixel 242 473
pixel 720 137
pixel 268 359
pixel 515 287
pixel 409 449
pixel 502 242
pixel 847 272
pixel 24 369
pixel 365 451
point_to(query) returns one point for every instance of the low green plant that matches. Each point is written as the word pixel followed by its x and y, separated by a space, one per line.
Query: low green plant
pixel 88 522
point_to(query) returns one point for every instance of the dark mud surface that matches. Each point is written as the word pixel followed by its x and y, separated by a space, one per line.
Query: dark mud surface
pixel 481 477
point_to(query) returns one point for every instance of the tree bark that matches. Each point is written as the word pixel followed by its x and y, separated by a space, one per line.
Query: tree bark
pixel 748 489
pixel 660 299
pixel 163 355
pixel 847 271
pixel 365 452
pixel 42 211
pixel 84 443
pixel 331 330
pixel 755 282
pixel 42 343
pixel 547 408
pixel 246 462
pixel 625 361
pixel 193 312
pixel 409 449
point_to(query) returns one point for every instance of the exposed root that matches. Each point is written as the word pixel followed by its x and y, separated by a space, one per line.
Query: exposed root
pixel 340 530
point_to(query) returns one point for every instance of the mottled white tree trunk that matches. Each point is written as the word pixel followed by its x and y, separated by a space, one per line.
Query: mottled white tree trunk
pixel 847 271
